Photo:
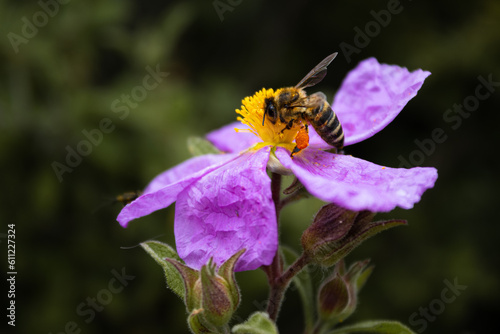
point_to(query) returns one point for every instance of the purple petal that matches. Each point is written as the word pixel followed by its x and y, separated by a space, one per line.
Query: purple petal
pixel 163 190
pixel 226 210
pixel 227 139
pixel 357 184
pixel 185 169
pixel 372 95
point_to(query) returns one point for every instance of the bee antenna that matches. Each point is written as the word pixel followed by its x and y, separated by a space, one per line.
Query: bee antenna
pixel 264 118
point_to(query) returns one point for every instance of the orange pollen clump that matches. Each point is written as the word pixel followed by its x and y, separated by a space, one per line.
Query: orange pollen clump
pixel 302 138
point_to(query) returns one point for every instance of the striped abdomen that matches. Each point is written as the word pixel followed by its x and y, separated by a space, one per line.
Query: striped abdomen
pixel 327 124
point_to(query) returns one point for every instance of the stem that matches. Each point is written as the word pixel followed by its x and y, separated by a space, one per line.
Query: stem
pixel 274 270
pixel 292 198
pixel 279 281
pixel 280 284
pixel 276 193
pixel 294 269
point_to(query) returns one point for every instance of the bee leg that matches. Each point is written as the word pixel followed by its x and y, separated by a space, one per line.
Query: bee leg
pixel 295 150
pixel 288 126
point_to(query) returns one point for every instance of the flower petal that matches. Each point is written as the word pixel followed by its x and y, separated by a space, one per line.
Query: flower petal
pixel 227 210
pixel 163 190
pixel 186 169
pixel 357 184
pixel 372 95
pixel 227 139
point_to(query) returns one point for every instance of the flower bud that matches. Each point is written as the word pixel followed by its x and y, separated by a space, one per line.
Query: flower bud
pixel 217 301
pixel 336 231
pixel 198 325
pixel 333 297
pixel 220 293
pixel 211 297
pixel 338 295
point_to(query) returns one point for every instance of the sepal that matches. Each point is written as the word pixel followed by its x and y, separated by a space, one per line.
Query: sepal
pixel 212 296
pixel 226 271
pixel 160 252
pixel 192 284
pixel 257 323
pixel 336 231
pixel 198 325
pixel 333 298
pixel 338 295
pixel 217 299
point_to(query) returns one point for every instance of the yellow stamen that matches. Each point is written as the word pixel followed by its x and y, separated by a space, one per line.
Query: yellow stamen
pixel 252 113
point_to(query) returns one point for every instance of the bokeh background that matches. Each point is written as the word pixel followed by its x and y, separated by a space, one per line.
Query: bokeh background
pixel 64 77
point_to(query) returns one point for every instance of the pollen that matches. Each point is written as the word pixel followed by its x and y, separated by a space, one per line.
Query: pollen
pixel 251 114
pixel 302 138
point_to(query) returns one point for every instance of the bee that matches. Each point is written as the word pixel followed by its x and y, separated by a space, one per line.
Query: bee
pixel 127 197
pixel 291 105
pixel 124 198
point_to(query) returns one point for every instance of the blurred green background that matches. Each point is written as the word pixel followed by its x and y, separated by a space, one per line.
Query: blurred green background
pixel 63 76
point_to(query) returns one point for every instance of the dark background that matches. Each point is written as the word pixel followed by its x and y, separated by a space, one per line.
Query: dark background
pixel 64 79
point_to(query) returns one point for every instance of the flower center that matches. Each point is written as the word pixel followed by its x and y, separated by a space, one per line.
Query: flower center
pixel 252 113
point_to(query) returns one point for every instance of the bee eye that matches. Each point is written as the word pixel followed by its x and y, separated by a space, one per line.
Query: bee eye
pixel 270 110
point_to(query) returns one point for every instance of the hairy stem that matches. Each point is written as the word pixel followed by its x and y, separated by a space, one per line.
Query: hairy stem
pixel 298 195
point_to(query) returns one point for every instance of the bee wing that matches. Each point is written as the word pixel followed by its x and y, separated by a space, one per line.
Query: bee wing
pixel 319 95
pixel 317 74
pixel 311 101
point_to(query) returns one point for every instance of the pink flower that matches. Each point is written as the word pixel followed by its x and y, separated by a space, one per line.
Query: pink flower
pixel 224 202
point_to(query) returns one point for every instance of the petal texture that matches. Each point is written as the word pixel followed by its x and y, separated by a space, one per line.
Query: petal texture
pixel 372 95
pixel 163 190
pixel 227 139
pixel 357 184
pixel 226 210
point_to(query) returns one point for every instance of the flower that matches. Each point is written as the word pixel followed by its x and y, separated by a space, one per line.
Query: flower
pixel 224 202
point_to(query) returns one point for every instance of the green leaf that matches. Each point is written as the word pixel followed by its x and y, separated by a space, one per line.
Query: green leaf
pixel 159 252
pixel 257 323
pixel 303 284
pixel 200 146
pixel 375 326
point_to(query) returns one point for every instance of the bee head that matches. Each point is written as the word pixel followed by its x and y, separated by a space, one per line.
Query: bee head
pixel 270 110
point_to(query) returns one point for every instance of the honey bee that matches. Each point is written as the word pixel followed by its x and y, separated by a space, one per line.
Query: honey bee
pixel 292 105
pixel 124 198
pixel 127 197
